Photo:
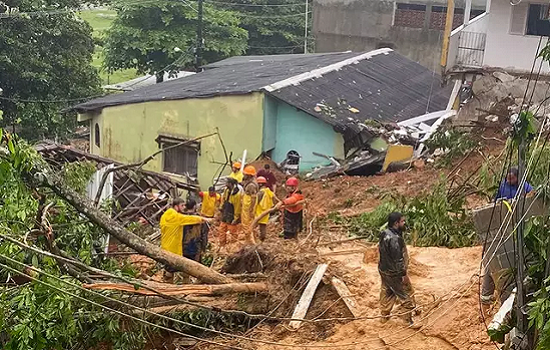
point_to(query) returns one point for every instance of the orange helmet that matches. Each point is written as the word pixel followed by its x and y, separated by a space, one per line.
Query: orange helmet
pixel 249 170
pixel 261 180
pixel 237 165
pixel 292 182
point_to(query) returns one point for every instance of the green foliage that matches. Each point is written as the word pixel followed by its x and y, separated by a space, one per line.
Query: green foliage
pixel 144 36
pixel 524 128
pixel 432 220
pixel 453 142
pixel 45 58
pixel 101 20
pixel 78 174
pixel 273 29
pixel 34 316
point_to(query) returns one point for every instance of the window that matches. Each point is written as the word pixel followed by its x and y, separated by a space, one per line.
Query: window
pixel 538 21
pixel 530 19
pixel 180 159
pixel 96 135
pixel 409 15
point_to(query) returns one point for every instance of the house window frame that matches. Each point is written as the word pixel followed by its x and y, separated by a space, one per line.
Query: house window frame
pixel 525 14
pixel 170 140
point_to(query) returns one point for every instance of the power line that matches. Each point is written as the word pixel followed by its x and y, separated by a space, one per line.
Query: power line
pixel 253 5
pixel 269 17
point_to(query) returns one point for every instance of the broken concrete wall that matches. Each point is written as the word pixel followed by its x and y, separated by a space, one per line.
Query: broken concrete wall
pixel 341 25
pixel 499 94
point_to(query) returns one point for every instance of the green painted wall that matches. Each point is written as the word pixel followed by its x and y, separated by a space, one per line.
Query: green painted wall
pixel 129 131
pixel 299 131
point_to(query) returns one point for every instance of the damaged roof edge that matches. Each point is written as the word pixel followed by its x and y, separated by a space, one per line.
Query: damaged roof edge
pixel 316 73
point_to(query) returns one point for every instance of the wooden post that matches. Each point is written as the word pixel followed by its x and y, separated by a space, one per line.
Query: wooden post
pixel 303 305
pixel 447 34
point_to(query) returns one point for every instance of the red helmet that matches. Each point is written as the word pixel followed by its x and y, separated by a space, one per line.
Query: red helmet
pixel 292 182
pixel 261 180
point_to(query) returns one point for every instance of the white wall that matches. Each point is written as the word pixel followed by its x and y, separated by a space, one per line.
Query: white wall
pixel 509 51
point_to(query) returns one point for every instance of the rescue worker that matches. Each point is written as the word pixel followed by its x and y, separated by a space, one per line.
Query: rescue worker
pixel 230 211
pixel 293 209
pixel 250 192
pixel 210 202
pixel 263 203
pixel 269 176
pixel 210 205
pixel 392 266
pixel 172 224
pixel 236 172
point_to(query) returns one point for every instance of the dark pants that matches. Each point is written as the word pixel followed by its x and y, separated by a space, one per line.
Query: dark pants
pixel 393 288
pixel 292 224
pixel 263 231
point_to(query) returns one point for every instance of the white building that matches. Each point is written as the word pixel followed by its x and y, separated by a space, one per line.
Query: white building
pixel 506 36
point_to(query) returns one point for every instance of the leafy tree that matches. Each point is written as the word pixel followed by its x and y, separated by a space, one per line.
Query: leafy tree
pixel 45 55
pixel 146 35
pixel 273 28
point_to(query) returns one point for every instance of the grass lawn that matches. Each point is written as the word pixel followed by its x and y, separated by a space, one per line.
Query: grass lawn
pixel 101 20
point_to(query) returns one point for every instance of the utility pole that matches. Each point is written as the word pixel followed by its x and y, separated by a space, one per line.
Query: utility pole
pixel 447 35
pixel 198 49
pixel 305 26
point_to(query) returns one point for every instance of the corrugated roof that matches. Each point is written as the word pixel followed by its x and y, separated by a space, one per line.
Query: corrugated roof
pixel 236 75
pixel 387 88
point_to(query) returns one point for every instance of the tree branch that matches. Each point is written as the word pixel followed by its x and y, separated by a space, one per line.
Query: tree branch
pixel 142 163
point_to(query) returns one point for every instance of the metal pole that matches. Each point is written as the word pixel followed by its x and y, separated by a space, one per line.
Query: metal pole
pixel 198 50
pixel 521 317
pixel 305 27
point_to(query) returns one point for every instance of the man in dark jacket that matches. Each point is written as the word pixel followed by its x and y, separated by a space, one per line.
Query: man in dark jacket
pixel 393 264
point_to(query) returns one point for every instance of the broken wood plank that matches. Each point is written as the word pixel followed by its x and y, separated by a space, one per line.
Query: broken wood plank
pixel 187 289
pixel 344 252
pixel 345 294
pixel 303 305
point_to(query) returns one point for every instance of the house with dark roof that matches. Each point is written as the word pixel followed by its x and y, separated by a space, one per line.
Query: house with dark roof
pixel 303 103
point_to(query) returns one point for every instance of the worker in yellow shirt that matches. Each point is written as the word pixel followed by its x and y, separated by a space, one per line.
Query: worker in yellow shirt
pixel 172 224
pixel 250 192
pixel 230 211
pixel 236 172
pixel 210 202
pixel 264 202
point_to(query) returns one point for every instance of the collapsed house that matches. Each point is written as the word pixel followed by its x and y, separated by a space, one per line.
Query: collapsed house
pixel 140 195
pixel 281 106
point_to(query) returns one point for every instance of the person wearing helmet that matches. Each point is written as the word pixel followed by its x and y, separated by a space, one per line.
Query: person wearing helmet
pixel 293 209
pixel 230 211
pixel 250 191
pixel 236 172
pixel 263 203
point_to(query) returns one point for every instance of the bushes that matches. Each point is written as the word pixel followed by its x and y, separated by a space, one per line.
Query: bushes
pixel 432 220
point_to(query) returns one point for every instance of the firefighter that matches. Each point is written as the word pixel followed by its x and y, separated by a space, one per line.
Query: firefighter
pixel 230 211
pixel 250 191
pixel 236 172
pixel 263 203
pixel 293 209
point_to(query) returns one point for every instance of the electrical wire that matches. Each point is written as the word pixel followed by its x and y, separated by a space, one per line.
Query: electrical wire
pixel 6 258
pixel 253 5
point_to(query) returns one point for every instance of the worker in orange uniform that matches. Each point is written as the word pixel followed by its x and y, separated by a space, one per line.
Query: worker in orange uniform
pixel 250 191
pixel 293 209
pixel 172 224
pixel 263 203
pixel 236 172
pixel 230 211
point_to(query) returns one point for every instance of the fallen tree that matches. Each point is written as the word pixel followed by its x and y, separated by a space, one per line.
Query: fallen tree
pixel 186 289
pixel 40 175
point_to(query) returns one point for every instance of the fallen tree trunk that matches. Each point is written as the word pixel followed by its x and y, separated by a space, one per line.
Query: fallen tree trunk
pixel 45 177
pixel 187 289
